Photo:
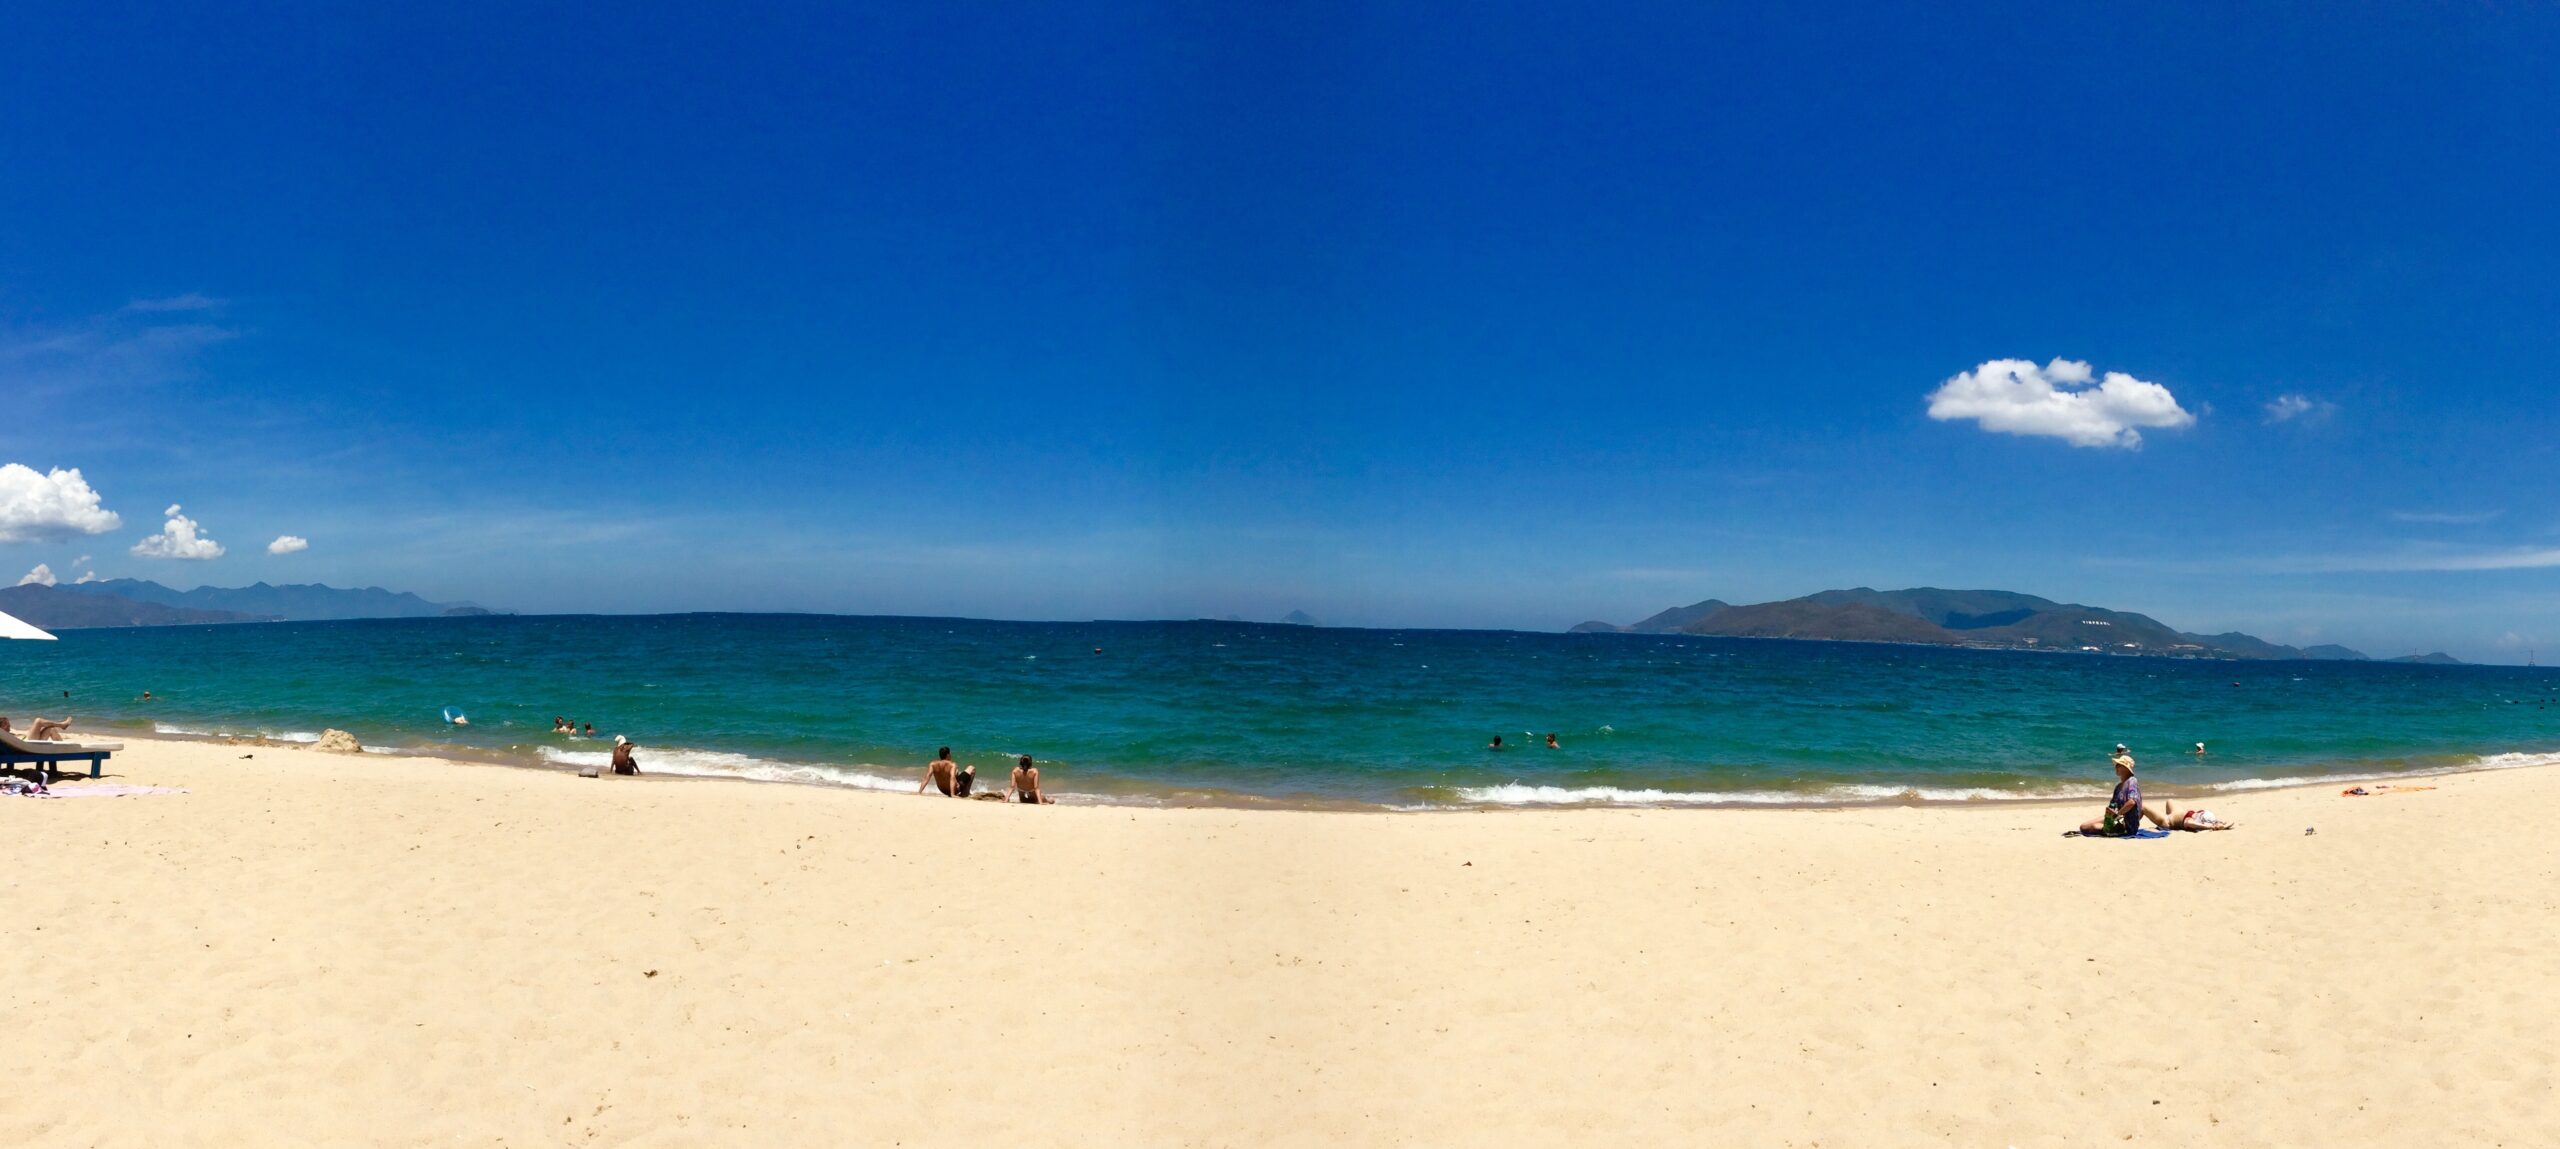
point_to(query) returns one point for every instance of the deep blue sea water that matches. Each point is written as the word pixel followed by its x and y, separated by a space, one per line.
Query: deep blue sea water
pixel 1190 711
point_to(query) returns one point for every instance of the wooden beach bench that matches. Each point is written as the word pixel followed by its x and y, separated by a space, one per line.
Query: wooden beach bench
pixel 16 751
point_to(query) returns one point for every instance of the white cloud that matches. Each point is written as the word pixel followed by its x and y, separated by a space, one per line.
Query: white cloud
pixel 41 576
pixel 2289 407
pixel 2447 518
pixel 49 506
pixel 2510 559
pixel 2058 400
pixel 85 576
pixel 179 538
pixel 287 544
pixel 190 301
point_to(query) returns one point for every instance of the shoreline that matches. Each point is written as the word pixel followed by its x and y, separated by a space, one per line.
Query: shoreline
pixel 1905 797
pixel 315 948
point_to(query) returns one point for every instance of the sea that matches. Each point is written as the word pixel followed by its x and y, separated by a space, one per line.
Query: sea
pixel 1228 713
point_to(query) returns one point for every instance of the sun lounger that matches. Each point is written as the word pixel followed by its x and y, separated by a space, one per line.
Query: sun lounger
pixel 17 751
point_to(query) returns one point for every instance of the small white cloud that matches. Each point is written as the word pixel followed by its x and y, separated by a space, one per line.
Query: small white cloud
pixel 287 544
pixel 2058 400
pixel 41 576
pixel 49 506
pixel 190 301
pixel 180 538
pixel 2511 640
pixel 85 576
pixel 2287 408
pixel 2512 559
pixel 2445 518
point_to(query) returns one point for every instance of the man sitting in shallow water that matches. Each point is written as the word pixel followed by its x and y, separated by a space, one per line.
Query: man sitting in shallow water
pixel 939 773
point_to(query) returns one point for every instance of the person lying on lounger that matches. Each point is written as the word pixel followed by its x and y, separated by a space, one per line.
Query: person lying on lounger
pixel 47 729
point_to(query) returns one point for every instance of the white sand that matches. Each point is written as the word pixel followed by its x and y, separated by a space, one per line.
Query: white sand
pixel 313 949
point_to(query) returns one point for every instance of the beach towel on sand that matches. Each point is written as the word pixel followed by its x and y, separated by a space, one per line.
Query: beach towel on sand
pixel 2138 835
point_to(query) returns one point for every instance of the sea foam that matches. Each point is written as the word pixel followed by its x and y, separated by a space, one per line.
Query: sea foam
pixel 1520 794
pixel 721 764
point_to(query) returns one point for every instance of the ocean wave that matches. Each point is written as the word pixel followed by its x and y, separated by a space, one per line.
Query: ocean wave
pixel 1519 794
pixel 270 735
pixel 721 764
pixel 2319 779
pixel 2512 760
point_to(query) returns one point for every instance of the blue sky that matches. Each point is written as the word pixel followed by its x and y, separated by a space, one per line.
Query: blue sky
pixel 1432 316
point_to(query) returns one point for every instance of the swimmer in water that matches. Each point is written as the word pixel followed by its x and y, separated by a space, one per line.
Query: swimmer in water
pixel 2199 749
pixel 1552 744
pixel 1496 744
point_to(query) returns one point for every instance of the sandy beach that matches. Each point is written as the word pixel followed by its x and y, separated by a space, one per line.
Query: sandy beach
pixel 305 948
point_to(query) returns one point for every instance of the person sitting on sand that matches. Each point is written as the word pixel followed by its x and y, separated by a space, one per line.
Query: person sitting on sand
pixel 965 782
pixel 623 762
pixel 1025 786
pixel 938 773
pixel 2124 807
pixel 47 730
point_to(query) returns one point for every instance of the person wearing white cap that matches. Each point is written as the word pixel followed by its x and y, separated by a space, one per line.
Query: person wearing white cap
pixel 623 763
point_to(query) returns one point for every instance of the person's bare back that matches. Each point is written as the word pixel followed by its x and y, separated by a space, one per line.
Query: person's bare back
pixel 939 773
pixel 1024 787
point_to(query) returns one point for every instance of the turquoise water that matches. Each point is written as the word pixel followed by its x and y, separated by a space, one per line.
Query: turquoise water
pixel 1240 712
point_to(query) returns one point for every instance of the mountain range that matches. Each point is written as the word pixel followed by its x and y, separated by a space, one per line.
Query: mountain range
pixel 1981 618
pixel 138 602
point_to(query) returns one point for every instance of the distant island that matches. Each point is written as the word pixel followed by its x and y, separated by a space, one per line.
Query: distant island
pixel 1996 619
pixel 138 602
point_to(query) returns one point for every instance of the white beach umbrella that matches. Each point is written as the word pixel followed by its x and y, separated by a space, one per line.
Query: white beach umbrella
pixel 12 628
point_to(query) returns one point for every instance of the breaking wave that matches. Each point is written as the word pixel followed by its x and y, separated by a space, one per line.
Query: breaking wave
pixel 721 764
